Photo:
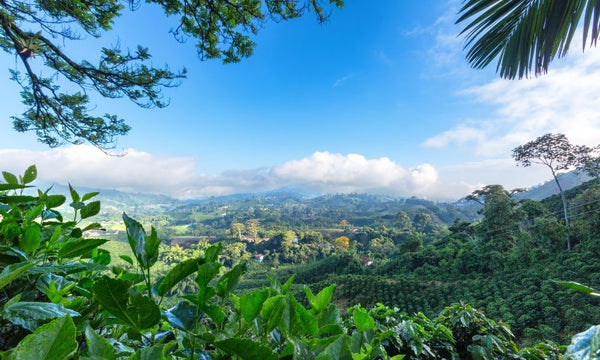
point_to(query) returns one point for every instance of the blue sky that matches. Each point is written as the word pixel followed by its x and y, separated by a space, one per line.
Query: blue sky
pixel 379 99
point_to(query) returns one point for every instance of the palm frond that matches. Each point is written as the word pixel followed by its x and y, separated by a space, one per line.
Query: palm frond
pixel 525 35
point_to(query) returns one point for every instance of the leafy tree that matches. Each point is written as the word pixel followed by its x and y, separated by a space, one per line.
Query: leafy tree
pixel 252 227
pixel 55 88
pixel 527 35
pixel 500 223
pixel 403 220
pixel 236 230
pixel 382 248
pixel 423 222
pixel 341 243
pixel 556 153
pixel 589 161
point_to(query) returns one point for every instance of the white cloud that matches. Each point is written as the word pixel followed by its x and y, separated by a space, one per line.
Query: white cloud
pixel 342 80
pixel 566 100
pixel 354 173
pixel 140 171
pixel 460 134
pixel 325 172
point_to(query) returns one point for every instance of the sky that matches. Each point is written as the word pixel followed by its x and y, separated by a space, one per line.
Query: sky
pixel 377 100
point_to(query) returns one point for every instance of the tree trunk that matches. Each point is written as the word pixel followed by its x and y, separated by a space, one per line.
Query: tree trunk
pixel 564 202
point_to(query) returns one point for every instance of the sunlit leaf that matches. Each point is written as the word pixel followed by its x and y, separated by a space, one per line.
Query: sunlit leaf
pixel 176 274
pixel 30 174
pixel 55 340
pixel 90 209
pixel 246 349
pixel 78 247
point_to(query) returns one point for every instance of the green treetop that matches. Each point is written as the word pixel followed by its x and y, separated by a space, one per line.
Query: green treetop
pixel 40 34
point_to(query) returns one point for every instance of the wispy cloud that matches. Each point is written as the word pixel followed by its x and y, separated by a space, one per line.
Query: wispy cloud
pixel 384 58
pixel 342 80
pixel 442 54
pixel 565 100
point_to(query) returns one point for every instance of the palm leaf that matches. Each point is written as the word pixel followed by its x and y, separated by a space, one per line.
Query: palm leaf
pixel 525 35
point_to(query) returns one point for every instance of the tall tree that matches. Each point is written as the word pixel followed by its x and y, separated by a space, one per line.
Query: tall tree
pixel 556 153
pixel 500 224
pixel 589 161
pixel 236 230
pixel 252 227
pixel 55 85
pixel 525 35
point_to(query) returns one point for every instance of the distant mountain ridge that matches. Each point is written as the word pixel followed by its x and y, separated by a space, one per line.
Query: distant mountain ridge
pixel 116 202
pixel 540 192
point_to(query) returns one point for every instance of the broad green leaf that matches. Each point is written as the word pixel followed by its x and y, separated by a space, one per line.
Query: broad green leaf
pixel 53 201
pixel 127 259
pixel 53 341
pixel 183 316
pixel 74 195
pixel 16 199
pixel 176 274
pixel 212 253
pixel 337 350
pixel 155 352
pixel 89 210
pixel 274 310
pixel 30 174
pixel 145 248
pixel 28 313
pixel 7 187
pixel 362 320
pixel 10 179
pixel 206 272
pixel 101 256
pixel 129 306
pixel 31 238
pixel 98 347
pixel 578 287
pixel 320 302
pixel 12 272
pixel 55 235
pixel 252 302
pixel 301 350
pixel 230 279
pixel 89 195
pixel 215 313
pixel 33 212
pixel 286 287
pixel 79 247
pixel 246 349
pixel 308 321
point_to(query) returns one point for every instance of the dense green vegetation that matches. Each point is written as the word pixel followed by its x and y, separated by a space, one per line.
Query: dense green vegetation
pixel 68 295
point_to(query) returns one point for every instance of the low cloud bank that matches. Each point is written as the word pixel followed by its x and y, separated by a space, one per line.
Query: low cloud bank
pixel 140 171
pixel 322 172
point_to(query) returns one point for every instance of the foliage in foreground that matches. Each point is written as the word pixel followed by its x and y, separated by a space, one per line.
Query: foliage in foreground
pixel 61 298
